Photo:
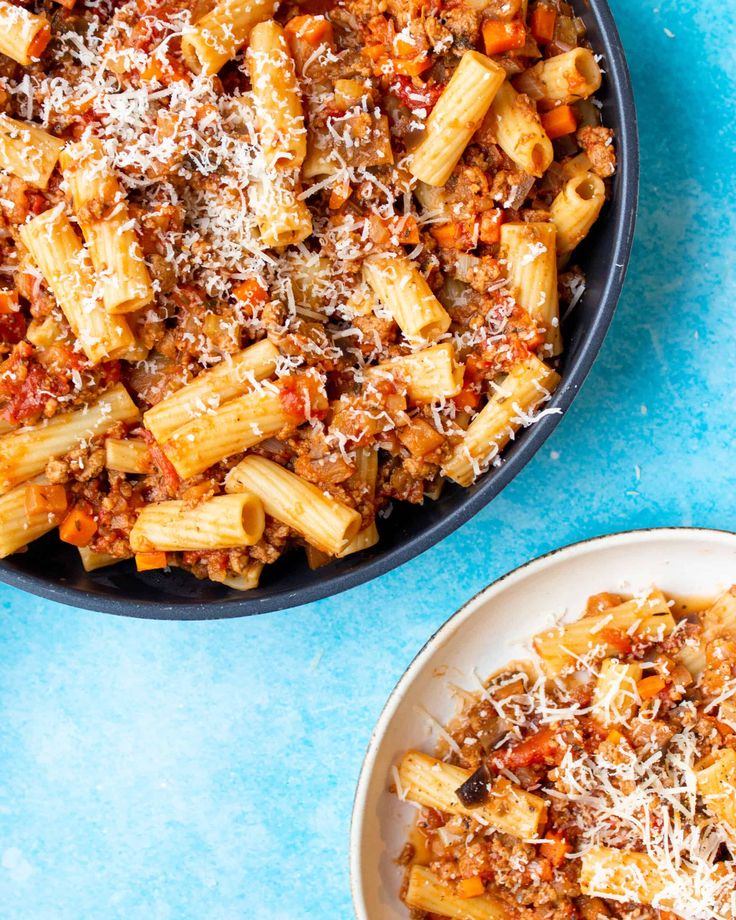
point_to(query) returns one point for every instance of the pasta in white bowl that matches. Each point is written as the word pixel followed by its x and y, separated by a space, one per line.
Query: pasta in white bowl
pixel 412 761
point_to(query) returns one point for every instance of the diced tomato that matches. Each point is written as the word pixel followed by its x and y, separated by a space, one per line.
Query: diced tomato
pixel 12 328
pixel 303 397
pixel 537 748
pixel 617 639
pixel 416 95
pixel 161 462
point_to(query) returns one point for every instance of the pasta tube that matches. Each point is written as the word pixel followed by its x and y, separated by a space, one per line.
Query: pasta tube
pixel 25 452
pixel 226 430
pixel 65 264
pixel 715 778
pixel 428 892
pixel 519 132
pixel 17 527
pixel 642 616
pixel 323 521
pixel 91 561
pixel 217 37
pixel 283 217
pixel 23 35
pixel 522 390
pixel 27 151
pixel 575 210
pixel 127 455
pixel 615 695
pixel 429 374
pixel 102 212
pixel 209 390
pixel 622 875
pixel 246 580
pixel 720 619
pixel 456 117
pixel 564 78
pixel 402 289
pixel 277 98
pixel 530 253
pixel 222 522
pixel 433 783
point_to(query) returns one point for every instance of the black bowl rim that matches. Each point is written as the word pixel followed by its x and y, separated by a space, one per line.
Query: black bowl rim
pixel 619 80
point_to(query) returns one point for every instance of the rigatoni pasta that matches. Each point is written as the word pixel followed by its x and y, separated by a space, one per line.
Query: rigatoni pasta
pixel 619 753
pixel 28 151
pixel 102 211
pixel 23 35
pixel 325 241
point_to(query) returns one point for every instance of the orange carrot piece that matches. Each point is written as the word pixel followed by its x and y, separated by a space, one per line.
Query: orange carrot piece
pixel 542 24
pixel 43 499
pixel 144 562
pixel 457 234
pixel 614 736
pixel 555 848
pixel 78 527
pixel 406 229
pixel 470 887
pixel 648 687
pixel 39 42
pixel 315 30
pixel 250 292
pixel 9 302
pixel 412 67
pixel 559 121
pixel 503 36
pixel 374 52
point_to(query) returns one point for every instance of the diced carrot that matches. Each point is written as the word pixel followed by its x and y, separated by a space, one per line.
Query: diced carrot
pixel 316 30
pixel 457 234
pixel 542 24
pixel 490 225
pixel 38 44
pixel 467 398
pixel 67 4
pixel 78 527
pixel 340 194
pixel 406 229
pixel 374 52
pixel 614 736
pixel 9 302
pixel 648 687
pixel 144 562
pixel 250 292
pixel 470 887
pixel 43 499
pixel 501 36
pixel 404 48
pixel 412 67
pixel 559 121
pixel 555 848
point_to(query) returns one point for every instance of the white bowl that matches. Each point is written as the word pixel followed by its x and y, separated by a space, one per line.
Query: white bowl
pixel 490 630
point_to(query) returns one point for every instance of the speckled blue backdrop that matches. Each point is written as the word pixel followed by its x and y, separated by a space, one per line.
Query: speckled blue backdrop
pixel 169 771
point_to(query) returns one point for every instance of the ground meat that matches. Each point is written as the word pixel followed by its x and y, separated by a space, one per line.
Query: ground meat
pixel 597 142
pixel 464 24
pixel 376 333
pixel 272 544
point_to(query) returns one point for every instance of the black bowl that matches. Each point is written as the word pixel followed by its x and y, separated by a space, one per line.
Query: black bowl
pixel 52 569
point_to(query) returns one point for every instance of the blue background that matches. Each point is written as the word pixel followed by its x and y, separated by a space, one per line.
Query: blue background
pixel 206 771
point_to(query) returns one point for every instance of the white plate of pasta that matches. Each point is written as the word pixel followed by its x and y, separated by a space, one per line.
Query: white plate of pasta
pixel 564 745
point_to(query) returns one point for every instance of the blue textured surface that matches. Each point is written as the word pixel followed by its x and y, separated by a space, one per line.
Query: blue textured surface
pixel 172 771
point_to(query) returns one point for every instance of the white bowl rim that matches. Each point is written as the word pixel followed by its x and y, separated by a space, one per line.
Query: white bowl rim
pixel 454 622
